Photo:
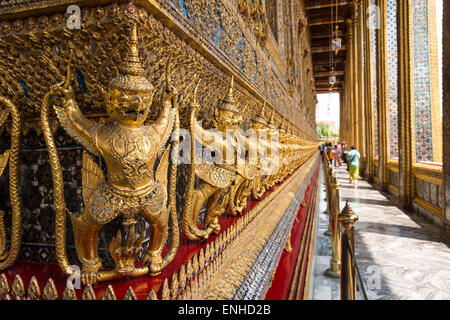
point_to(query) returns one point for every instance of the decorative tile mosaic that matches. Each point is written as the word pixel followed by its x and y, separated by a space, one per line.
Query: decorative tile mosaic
pixel 219 25
pixel 392 66
pixel 373 34
pixel 421 73
pixel 258 280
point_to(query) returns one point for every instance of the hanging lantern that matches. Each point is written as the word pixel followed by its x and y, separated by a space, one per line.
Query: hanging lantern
pixel 332 80
pixel 336 44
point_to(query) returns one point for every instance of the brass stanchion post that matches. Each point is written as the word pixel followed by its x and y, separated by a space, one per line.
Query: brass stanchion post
pixel 331 199
pixel 347 218
pixel 327 182
pixel 335 268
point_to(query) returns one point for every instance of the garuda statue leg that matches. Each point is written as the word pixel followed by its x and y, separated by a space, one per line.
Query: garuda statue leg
pixel 215 207
pixel 200 196
pixel 159 226
pixel 86 239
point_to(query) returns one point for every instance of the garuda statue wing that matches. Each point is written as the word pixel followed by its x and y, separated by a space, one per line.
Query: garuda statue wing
pixel 67 124
pixel 220 176
pixel 163 167
pixel 167 131
pixel 91 175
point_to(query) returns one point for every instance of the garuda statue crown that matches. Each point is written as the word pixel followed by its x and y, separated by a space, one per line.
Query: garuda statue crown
pixel 131 73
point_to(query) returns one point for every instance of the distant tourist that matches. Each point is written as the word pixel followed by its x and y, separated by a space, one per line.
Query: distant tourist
pixel 330 154
pixel 353 163
pixel 344 152
pixel 336 156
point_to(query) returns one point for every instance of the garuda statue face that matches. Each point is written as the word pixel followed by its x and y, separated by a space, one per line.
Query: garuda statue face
pixel 258 122
pixel 226 114
pixel 130 93
pixel 129 107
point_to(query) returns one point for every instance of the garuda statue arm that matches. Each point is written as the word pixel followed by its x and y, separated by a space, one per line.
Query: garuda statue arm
pixel 163 126
pixel 73 121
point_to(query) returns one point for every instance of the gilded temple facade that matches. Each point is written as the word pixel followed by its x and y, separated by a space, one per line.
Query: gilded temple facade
pixel 167 149
pixel 112 119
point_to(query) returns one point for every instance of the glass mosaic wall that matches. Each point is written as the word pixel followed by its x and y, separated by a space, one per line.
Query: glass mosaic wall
pixel 392 90
pixel 373 34
pixel 421 73
pixel 271 12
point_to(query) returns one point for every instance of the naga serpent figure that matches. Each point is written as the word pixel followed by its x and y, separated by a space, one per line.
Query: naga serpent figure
pixel 215 179
pixel 132 186
pixel 7 258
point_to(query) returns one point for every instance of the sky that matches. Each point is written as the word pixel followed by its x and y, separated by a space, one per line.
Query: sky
pixel 327 109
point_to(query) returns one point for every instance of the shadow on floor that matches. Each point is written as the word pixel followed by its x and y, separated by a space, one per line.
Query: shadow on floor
pixel 369 201
pixel 396 230
pixel 423 221
pixel 351 186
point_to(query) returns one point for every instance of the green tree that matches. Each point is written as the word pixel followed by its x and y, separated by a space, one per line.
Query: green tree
pixel 324 131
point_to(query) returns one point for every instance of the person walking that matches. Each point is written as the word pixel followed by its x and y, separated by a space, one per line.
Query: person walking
pixel 353 157
pixel 340 154
pixel 330 154
pixel 336 156
pixel 344 153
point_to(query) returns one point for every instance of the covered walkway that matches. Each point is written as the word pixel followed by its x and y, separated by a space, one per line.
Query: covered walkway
pixel 400 255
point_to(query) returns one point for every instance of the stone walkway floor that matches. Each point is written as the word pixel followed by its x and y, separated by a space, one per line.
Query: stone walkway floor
pixel 400 256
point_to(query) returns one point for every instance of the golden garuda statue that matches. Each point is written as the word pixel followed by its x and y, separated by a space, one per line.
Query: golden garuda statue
pixel 132 186
pixel 259 124
pixel 215 177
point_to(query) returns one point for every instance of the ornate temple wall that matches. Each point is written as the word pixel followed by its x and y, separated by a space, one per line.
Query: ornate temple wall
pixel 403 109
pixel 208 40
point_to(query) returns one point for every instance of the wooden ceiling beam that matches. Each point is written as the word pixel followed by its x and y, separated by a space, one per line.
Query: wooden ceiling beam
pixel 325 35
pixel 325 82
pixel 329 73
pixel 327 61
pixel 327 48
pixel 325 21
pixel 311 5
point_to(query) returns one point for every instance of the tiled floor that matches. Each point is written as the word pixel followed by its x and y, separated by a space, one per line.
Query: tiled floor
pixel 399 256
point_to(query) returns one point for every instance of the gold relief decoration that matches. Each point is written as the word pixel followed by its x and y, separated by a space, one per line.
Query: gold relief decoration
pixel 130 295
pixel 109 294
pixel 165 291
pixel 33 292
pixel 131 187
pixel 46 41
pixel 214 179
pixel 4 287
pixel 152 295
pixel 430 173
pixel 254 13
pixel 11 158
pixel 49 292
pixel 88 293
pixel 17 289
pixel 174 286
pixel 69 294
pixel 136 83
